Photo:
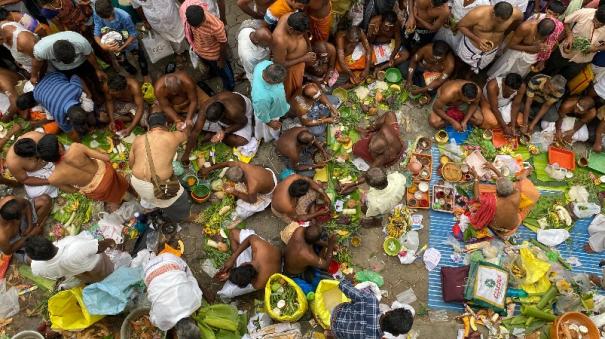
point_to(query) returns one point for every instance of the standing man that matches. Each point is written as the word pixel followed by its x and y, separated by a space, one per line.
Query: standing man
pixel 253 45
pixel 21 219
pixel 177 93
pixel 502 97
pixel 426 18
pixel 458 9
pixel 484 29
pixel 20 42
pixel 268 99
pixel 206 35
pixel 158 145
pixel 457 103
pixel 430 67
pixel 320 19
pixel 279 8
pixel 123 97
pixel 291 49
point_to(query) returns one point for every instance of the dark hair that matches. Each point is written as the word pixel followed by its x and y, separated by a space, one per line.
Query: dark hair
pixel 48 148
pixel 156 119
pixel 79 119
pixel 545 27
pixel 299 22
pixel 11 210
pixel 298 188
pixel 312 234
pixel 600 14
pixel 305 137
pixel 513 80
pixel 187 328
pixel 503 10
pixel 304 2
pixel 469 90
pixel 440 48
pixel 64 51
pixel 195 15
pixel 26 101
pixel 25 148
pixel 117 82
pixel 376 177
pixel 557 7
pixel 215 111
pixel 438 2
pixel 398 321
pixel 104 8
pixel 276 73
pixel 389 16
pixel 4 13
pixel 39 248
pixel 243 275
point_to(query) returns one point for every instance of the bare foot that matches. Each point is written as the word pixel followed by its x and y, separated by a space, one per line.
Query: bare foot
pixel 588 249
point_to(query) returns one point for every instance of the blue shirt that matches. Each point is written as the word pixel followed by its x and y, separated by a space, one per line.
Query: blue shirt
pixel 358 319
pixel 57 94
pixel 268 100
pixel 121 22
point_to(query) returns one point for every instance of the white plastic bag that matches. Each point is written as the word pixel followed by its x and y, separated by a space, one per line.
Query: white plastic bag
pixel 156 47
pixel 370 287
pixel 552 237
pixel 9 301
pixel 585 209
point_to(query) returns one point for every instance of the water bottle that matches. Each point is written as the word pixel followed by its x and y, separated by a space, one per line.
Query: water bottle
pixel 152 240
pixel 141 222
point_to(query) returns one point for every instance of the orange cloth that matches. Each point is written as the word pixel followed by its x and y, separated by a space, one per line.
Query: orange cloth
pixel 111 187
pixel 486 210
pixel 354 65
pixel 49 128
pixel 320 27
pixel 279 8
pixel 294 80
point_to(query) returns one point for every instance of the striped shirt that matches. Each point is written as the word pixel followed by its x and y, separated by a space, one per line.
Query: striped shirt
pixel 537 89
pixel 207 38
pixel 58 94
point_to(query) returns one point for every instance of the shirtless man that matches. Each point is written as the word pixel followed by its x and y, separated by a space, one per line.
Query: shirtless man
pixel 528 40
pixel 291 49
pixel 253 188
pixel 381 146
pixel 8 84
pixel 428 17
pixel 300 258
pixel 298 145
pixel 123 94
pixel 314 109
pixel 384 34
pixel 320 19
pixel 254 267
pixel 296 198
pixel 20 42
pixel 321 70
pixel 457 104
pixel 501 102
pixel 20 219
pixel 27 168
pixel 484 28
pixel 436 58
pixel 575 113
pixel 81 169
pixel 254 8
pixel 350 44
pixel 177 93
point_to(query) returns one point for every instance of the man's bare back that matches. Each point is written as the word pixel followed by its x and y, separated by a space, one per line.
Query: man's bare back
pixel 450 93
pixel 388 134
pixel 266 258
pixel 482 22
pixel 282 202
pixel 178 100
pixel 287 144
pixel 318 8
pixel 18 165
pixel 287 47
pixel 507 212
pixel 76 167
pixel 163 145
pixel 299 254
pixel 235 108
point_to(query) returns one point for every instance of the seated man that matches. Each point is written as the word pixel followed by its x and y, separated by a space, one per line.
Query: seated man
pixel 354 56
pixel 425 19
pixel 429 68
pixel 314 109
pixel 303 262
pixel 381 144
pixel 384 35
pixel 36 114
pixel 298 147
pixel 501 97
pixel 225 117
pixel 80 256
pixel 21 219
pixel 254 186
pixel 124 98
pixel 177 93
pixel 298 198
pixel 253 261
pixel 541 100
pixel 597 146
pixel 322 70
pixel 575 113
pixel 457 104
pixel 81 169
pixel 28 169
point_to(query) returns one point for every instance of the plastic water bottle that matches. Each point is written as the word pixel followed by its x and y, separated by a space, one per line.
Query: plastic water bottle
pixel 141 222
pixel 152 240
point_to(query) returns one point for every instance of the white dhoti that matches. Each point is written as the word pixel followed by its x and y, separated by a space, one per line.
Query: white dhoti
pixel 245 132
pixel 596 231
pixel 244 209
pixel 43 173
pixel 230 290
pixel 505 112
pixel 148 200
pixel 447 35
pixel 567 125
pixel 473 56
pixel 262 131
pixel 512 61
pixel 599 84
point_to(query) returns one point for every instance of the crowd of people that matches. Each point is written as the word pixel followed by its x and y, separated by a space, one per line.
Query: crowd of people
pixel 70 67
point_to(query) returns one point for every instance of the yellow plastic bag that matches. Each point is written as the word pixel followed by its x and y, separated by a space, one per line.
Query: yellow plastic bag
pixel 581 81
pixel 300 298
pixel 327 296
pixel 148 93
pixel 68 311
pixel 535 279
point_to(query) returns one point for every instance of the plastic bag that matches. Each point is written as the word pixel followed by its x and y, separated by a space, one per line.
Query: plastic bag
pixel 111 295
pixel 119 258
pixel 370 287
pixel 327 296
pixel 536 269
pixel 300 298
pixel 585 209
pixel 68 312
pixel 578 193
pixel 487 286
pixel 367 275
pixel 552 237
pixel 156 47
pixel 9 301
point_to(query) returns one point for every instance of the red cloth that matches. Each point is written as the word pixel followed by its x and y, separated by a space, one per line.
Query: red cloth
pixel 455 113
pixel 362 147
pixel 485 212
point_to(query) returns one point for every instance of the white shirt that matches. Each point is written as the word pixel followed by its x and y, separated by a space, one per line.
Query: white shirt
pixel 384 200
pixel 163 17
pixel 76 255
pixel 249 53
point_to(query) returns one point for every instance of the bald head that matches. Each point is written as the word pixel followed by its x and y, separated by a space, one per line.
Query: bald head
pixel 261 37
pixel 172 83
pixel 312 91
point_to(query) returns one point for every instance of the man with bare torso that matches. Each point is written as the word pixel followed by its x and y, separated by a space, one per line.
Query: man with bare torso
pixel 123 97
pixel 254 8
pixel 8 90
pixel 483 30
pixel 354 56
pixel 426 18
pixel 20 219
pixel 298 146
pixel 81 169
pixel 321 70
pixel 297 198
pixel 429 68
pixel 502 98
pixel 384 35
pixel 28 169
pixel 291 49
pixel 314 109
pixel 320 19
pixel 163 145
pixel 575 114
pixel 528 40
pixel 457 103
pixel 253 188
pixel 381 145
pixel 177 93
pixel 301 261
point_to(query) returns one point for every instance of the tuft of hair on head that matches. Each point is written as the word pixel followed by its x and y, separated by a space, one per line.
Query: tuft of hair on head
pixel 305 137
pixel 376 177
pixel 25 148
pixel 243 275
pixel 470 90
pixel 503 10
pixel 117 82
pixel 39 248
pixel 195 15
pixel 215 111
pixel 79 119
pixel 397 322
pixel 513 80
pixel 156 119
pixel 104 8
pixel 440 48
pixel 600 14
pixel 299 21
pixel 48 148
pixel 298 188
pixel 64 51
pixel 10 210
pixel 557 7
pixel 187 328
pixel 235 174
